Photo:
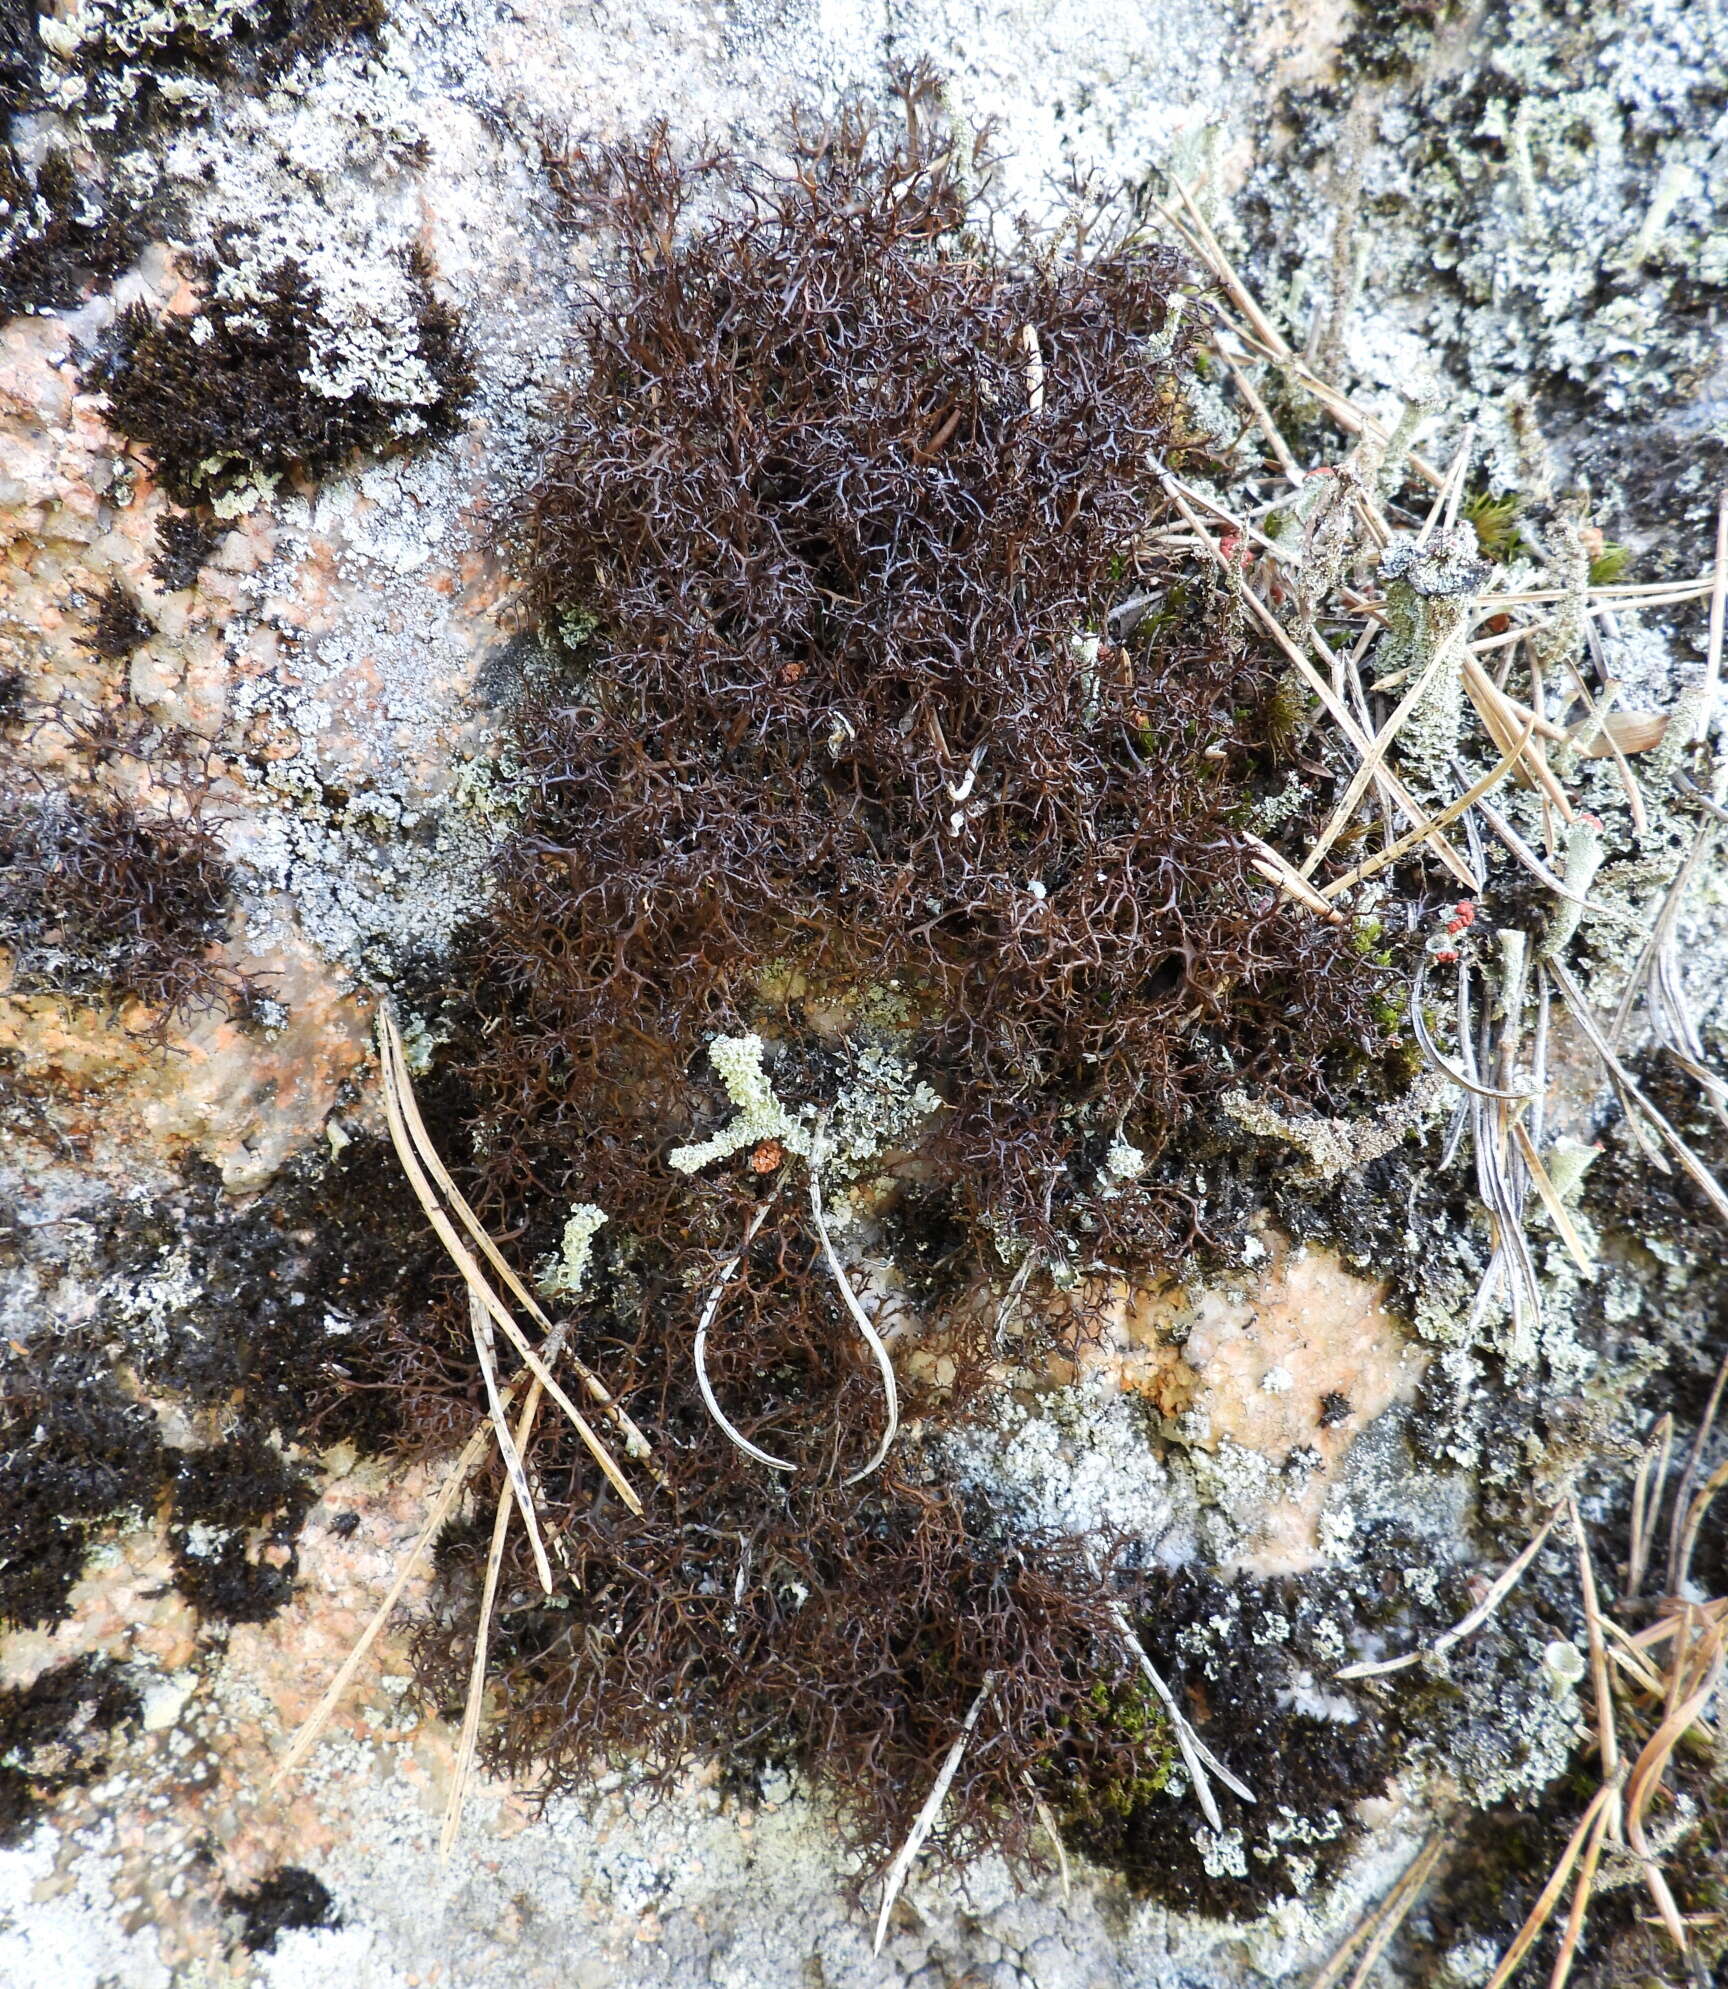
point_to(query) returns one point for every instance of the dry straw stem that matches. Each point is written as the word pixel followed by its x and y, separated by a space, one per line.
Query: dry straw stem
pixel 1647 1511
pixel 1718 614
pixel 1447 815
pixel 1696 1640
pixel 1464 1078
pixel 1468 1625
pixel 1590 1826
pixel 482 1637
pixel 1631 1095
pixel 1677 1563
pixel 1260 331
pixel 1375 757
pixel 1329 698
pixel 1380 1925
pixel 419 1161
pixel 1047 1819
pixel 925 1820
pixel 1558 1213
pixel 484 1348
pixel 1276 869
pixel 699 1352
pixel 860 1318
pixel 442 1506
pixel 399 1086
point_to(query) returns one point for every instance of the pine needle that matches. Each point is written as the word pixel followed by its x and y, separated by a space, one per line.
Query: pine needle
pixel 440 1510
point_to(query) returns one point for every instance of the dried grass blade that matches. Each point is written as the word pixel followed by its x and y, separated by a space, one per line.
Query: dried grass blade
pixel 463 1259
pixel 700 1353
pixel 1695 1518
pixel 1580 1900
pixel 1373 759
pixel 1631 1660
pixel 1718 615
pixel 1501 724
pixel 485 1352
pixel 482 1638
pixel 1401 1896
pixel 1642 1784
pixel 1197 1757
pixel 1607 1737
pixel 1450 813
pixel 1624 1081
pixel 1268 427
pixel 1541 872
pixel 860 1318
pixel 1543 1911
pixel 1660 927
pixel 1330 700
pixel 476 1681
pixel 1645 1510
pixel 1276 870
pixel 1041 1809
pixel 1431 1050
pixel 1558 1212
pixel 925 1820
pixel 1398 1908
pixel 635 1443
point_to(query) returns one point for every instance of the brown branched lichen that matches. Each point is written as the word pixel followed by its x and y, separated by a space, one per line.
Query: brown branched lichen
pixel 860 744
pixel 853 701
pixel 101 900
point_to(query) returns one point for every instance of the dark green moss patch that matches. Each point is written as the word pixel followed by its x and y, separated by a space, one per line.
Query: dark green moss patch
pixel 58 1734
pixel 316 1304
pixel 118 627
pixel 220 399
pixel 1256 1660
pixel 20 55
pixel 185 542
pixel 126 59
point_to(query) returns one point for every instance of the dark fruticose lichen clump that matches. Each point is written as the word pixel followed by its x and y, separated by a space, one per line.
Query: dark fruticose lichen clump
pixel 224 398
pixel 74 1452
pixel 57 1734
pixel 100 900
pixel 225 1498
pixel 856 702
pixel 56 232
pixel 871 734
pixel 288 1897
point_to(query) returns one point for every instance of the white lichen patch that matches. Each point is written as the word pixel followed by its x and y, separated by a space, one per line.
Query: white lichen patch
pixel 562 1278
pixel 882 1104
pixel 758 1114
